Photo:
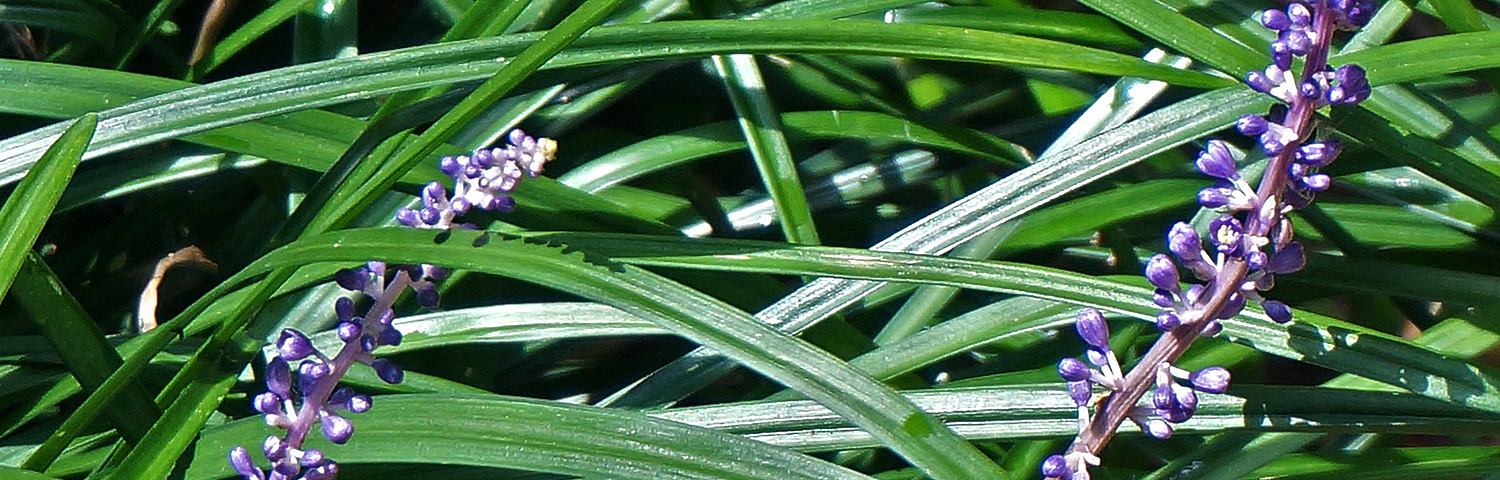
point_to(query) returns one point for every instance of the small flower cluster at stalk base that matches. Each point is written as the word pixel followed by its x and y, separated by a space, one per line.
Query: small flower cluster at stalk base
pixel 483 179
pixel 1248 244
pixel 302 382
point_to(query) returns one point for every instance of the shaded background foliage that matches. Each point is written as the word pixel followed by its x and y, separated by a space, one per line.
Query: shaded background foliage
pixel 1027 135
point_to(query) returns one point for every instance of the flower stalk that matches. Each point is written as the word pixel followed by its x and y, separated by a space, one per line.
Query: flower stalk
pixel 306 394
pixel 1234 265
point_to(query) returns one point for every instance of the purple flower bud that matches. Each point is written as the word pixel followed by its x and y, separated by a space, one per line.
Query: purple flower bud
pixel 1073 370
pixel 309 373
pixel 427 294
pixel 367 344
pixel 502 204
pixel 1166 321
pixel 287 468
pixel 268 403
pixel 1232 307
pixel 1213 197
pixel 294 346
pixel 279 377
pixel 359 403
pixel 1162 273
pixel 239 458
pixel 1274 19
pixel 485 157
pixel 387 370
pixel 451 166
pixel 274 448
pixel 1211 380
pixel 1298 14
pixel 1251 125
pixel 1352 86
pixel 1162 398
pixel 1316 182
pixel 1308 90
pixel 312 457
pixel 1081 392
pixel 327 471
pixel 1216 161
pixel 1318 154
pixel 1162 298
pixel 340 395
pixel 344 308
pixel 1056 467
pixel 389 336
pixel 337 429
pixel 1272 144
pixel 408 217
pixel 349 331
pixel 1260 82
pixel 1092 328
pixel 1278 311
pixel 430 215
pixel 459 206
pixel 1186 397
pixel 1287 260
pixel 1255 259
pixel 353 279
pixel 1211 328
pixel 1184 242
pixel 1158 429
pixel 434 194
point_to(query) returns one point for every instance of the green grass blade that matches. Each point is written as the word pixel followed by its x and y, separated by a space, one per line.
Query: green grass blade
pixel 80 345
pixel 502 432
pixel 27 208
pixel 1003 201
pixel 766 138
pixel 788 360
pixel 666 151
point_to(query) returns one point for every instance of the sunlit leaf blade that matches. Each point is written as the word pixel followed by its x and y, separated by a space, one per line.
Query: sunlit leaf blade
pixel 27 208
pixel 683 146
pixel 802 367
pixel 534 435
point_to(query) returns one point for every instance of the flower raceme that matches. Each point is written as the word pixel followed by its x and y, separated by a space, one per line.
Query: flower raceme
pixel 302 390
pixel 1246 246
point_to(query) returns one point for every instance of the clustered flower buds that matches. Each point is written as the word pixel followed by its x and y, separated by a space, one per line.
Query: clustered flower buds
pixel 1248 244
pixel 485 179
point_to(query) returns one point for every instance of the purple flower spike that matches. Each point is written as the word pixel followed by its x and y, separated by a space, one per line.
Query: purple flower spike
pixel 1211 380
pixel 1162 273
pixel 1217 162
pixel 1278 311
pixel 240 460
pixel 337 429
pixel 1073 370
pixel 388 371
pixel 1092 328
pixel 294 345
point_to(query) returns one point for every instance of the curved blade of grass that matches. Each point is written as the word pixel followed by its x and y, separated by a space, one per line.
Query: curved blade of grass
pixel 80 345
pixel 262 95
pixel 502 432
pixel 1310 338
pixel 703 319
pixel 765 136
pixel 658 153
pixel 27 208
pixel 508 323
pixel 1056 25
pixel 1182 34
pixel 1003 201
